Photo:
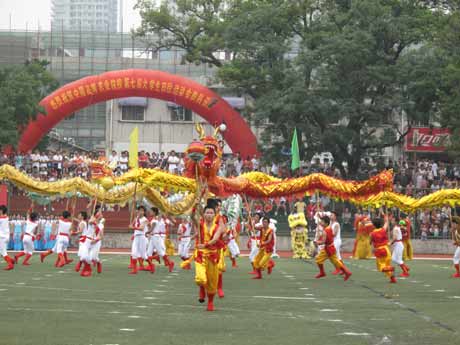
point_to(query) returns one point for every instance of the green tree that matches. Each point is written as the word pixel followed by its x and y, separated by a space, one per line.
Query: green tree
pixel 343 72
pixel 21 89
pixel 448 44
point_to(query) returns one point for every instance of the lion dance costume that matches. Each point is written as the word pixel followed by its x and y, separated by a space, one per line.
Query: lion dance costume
pixel 299 235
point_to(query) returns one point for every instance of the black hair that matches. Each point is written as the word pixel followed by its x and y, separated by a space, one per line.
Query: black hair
pixel 84 215
pixel 209 207
pixel 326 220
pixel 335 213
pixel 4 209
pixel 266 218
pixel 33 216
pixel 378 222
pixel 155 211
pixel 97 209
pixel 66 214
pixel 141 208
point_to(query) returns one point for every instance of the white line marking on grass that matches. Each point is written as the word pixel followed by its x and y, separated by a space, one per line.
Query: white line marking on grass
pixel 329 310
pixel 440 290
pixel 308 294
pixel 95 301
pixel 134 316
pixel 141 306
pixel 164 281
pixel 115 312
pixel 165 304
pixel 20 283
pixel 3 290
pixel 412 281
pixel 427 285
pixel 48 275
pixel 284 297
pixel 304 288
pixel 127 329
pixel 36 278
pixel 290 276
pixel 455 297
pixel 316 301
pixel 357 334
pixel 150 297
pixel 298 283
pixel 335 320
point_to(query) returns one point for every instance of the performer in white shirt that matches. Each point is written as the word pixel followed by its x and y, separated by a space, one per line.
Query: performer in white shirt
pixel 184 232
pixel 5 237
pixel 140 226
pixel 398 248
pixel 81 230
pixel 30 232
pixel 158 238
pixel 335 226
pixel 97 243
pixel 64 226
pixel 254 233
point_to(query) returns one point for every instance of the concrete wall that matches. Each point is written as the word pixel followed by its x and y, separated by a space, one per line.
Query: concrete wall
pixel 123 240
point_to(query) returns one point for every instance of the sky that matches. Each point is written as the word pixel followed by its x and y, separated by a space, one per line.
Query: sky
pixel 32 13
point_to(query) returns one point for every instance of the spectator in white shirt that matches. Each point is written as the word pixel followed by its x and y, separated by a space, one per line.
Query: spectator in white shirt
pixel 173 161
pixel 113 159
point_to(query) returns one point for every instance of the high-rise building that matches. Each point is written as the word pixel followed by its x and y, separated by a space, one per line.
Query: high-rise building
pixel 85 15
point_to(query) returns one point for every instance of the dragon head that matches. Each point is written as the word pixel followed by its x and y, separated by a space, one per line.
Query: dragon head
pixel 211 147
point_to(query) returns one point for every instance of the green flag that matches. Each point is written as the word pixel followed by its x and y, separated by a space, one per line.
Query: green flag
pixel 295 163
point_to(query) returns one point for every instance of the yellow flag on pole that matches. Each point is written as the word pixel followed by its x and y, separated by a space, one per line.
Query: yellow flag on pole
pixel 134 148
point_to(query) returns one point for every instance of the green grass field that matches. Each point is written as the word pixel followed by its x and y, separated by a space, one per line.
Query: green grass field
pixel 44 305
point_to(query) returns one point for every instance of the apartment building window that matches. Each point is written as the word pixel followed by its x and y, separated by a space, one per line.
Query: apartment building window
pixel 179 113
pixel 132 113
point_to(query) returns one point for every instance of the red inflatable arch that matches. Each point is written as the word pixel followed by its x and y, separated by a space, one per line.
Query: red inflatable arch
pixel 142 83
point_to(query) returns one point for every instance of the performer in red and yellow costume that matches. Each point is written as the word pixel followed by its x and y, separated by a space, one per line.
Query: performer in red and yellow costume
pixel 325 242
pixel 456 240
pixel 207 256
pixel 408 252
pixel 379 239
pixel 263 259
pixel 362 247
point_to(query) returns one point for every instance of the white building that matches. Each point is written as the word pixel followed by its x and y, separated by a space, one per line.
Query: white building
pixel 85 15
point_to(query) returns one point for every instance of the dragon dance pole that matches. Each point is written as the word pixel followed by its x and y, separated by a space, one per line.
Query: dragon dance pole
pixel 133 204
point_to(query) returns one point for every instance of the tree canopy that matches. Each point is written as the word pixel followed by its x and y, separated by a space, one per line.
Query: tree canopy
pixel 343 72
pixel 21 89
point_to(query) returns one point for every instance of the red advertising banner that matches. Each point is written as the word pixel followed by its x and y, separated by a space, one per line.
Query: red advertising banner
pixel 426 139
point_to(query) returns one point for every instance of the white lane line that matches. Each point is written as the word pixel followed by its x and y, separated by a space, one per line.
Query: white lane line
pixel 141 306
pixel 308 294
pixel 36 278
pixel 164 281
pixel 150 297
pixel 357 334
pixel 290 276
pixel 329 310
pixel 455 297
pixel 440 290
pixel 3 290
pixel 115 312
pixel 337 320
pixel 427 285
pixel 134 316
pixel 95 301
pixel 284 297
pixel 304 288
pixel 20 283
pixel 127 329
